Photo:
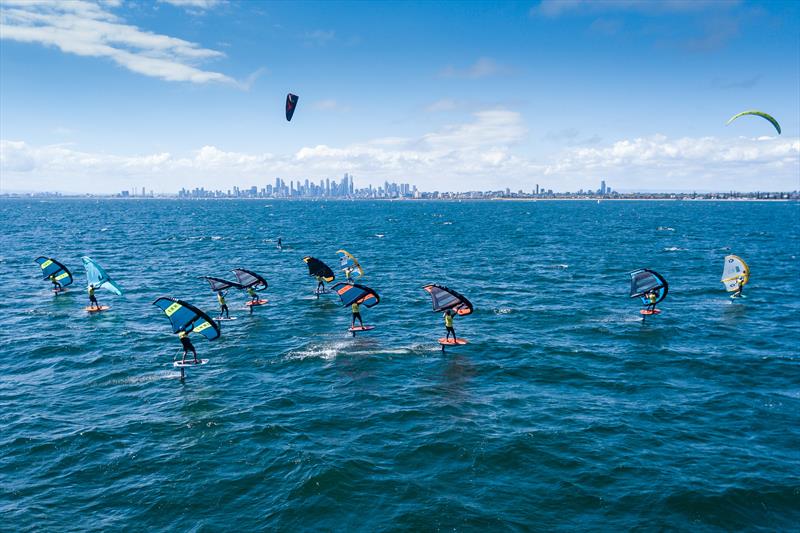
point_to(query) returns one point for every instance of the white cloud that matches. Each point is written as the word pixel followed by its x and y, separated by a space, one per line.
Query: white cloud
pixel 329 105
pixel 88 29
pixel 556 8
pixel 479 154
pixel 445 104
pixel 703 163
pixel 484 67
pixel 318 37
pixel 193 4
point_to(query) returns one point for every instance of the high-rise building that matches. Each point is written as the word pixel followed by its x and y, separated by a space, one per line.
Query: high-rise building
pixel 602 186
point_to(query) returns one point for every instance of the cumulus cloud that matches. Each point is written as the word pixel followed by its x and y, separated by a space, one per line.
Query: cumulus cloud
pixel 479 154
pixel 89 29
pixel 658 162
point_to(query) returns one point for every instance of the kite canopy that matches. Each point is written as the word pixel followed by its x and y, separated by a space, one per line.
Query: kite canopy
pixel 97 277
pixel 644 281
pixel 317 268
pixel 734 267
pixel 444 298
pixel 186 317
pixel 248 278
pixel 758 114
pixel 219 284
pixel 353 293
pixel 348 261
pixel 291 105
pixel 51 267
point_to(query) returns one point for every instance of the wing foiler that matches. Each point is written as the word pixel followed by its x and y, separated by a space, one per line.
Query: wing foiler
pixel 97 277
pixel 348 262
pixel 186 317
pixel 444 298
pixel 51 267
pixel 644 281
pixel 318 268
pixel 356 294
pixel 734 268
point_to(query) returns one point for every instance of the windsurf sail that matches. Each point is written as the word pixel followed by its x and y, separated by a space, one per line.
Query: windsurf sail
pixel 444 298
pixel 248 278
pixel 733 269
pixel 291 105
pixel 644 281
pixel 318 268
pixel 219 284
pixel 51 267
pixel 97 276
pixel 353 293
pixel 348 262
pixel 188 318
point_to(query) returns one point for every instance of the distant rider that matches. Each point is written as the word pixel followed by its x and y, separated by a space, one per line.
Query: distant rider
pixel 739 286
pixel 448 324
pixel 320 285
pixel 356 315
pixel 651 298
pixel 56 285
pixel 92 298
pixel 251 292
pixel 187 346
pixel 280 244
pixel 223 307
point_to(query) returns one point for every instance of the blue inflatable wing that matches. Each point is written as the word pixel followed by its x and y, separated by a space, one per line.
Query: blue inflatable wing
pixel 186 317
pixel 51 267
pixel 356 294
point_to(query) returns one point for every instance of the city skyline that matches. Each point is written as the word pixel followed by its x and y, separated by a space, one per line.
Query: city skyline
pixel 95 96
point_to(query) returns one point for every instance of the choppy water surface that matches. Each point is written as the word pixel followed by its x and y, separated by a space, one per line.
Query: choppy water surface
pixel 565 411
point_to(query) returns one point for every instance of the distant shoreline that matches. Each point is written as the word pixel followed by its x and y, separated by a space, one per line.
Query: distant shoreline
pixel 558 199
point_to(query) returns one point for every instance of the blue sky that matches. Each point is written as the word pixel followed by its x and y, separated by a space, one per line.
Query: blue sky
pixel 101 96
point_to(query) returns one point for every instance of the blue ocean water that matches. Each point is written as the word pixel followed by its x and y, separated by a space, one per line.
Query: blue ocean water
pixel 564 412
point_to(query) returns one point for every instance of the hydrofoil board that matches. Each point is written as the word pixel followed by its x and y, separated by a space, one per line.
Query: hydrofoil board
pixel 180 364
pixel 91 309
pixel 450 342
pixel 650 312
pixel 255 303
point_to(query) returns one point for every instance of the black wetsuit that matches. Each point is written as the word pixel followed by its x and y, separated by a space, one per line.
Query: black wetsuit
pixel 93 298
pixel 188 347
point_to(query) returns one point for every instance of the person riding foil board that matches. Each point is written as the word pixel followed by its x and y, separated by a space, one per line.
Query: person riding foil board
pixel 92 298
pixel 223 306
pixel 56 285
pixel 356 311
pixel 448 315
pixel 187 345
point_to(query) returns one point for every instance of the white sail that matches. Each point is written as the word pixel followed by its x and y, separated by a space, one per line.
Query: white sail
pixel 734 268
